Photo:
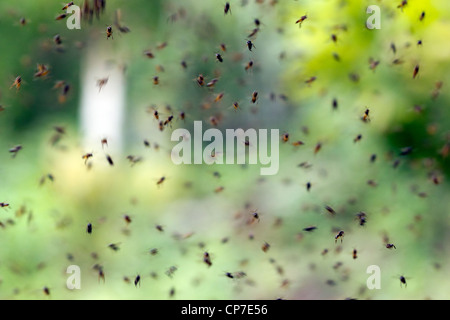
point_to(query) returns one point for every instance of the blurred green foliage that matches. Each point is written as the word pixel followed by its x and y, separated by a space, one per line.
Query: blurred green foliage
pixel 45 223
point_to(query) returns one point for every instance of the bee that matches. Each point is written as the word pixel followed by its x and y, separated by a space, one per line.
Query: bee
pixel 355 254
pixel 397 61
pixel 101 274
pixel 393 48
pixel 373 64
pixel 17 83
pixel 300 21
pixel 422 16
pixel 160 181
pixel 57 39
pixel 61 16
pixel 207 259
pixel 155 80
pixel 184 64
pixel 159 227
pixel 149 54
pixel 297 143
pixel 317 147
pixel 324 252
pixel 110 160
pixel 405 151
pixel 330 210
pixel 250 45
pixel 310 228
pixel 134 159
pixel 265 247
pixel 310 80
pixel 357 138
pixel 365 117
pixel 334 104
pixel 219 97
pixel 253 33
pixel 219 57
pixel 308 186
pixel 168 121
pixel 362 217
pixel 200 80
pixel 214 120
pixel 249 65
pixel 4 205
pixel 255 217
pixel 101 83
pixel 219 189
pixel 212 83
pixel 254 96
pixel 44 177
pixel 89 228
pixel 159 68
pixel 86 157
pixel 436 179
pixel 182 115
pixel 46 291
pixel 227 8
pixel 42 71
pixel 127 218
pixel 402 281
pixel 147 143
pixel 170 272
pixel 23 21
pixel 437 89
pixel 372 183
pixel 339 235
pixel 114 246
pixel 137 281
pixel 402 4
pixel 236 105
pixel 15 150
pixel 161 46
pixel 373 157
pixel 155 113
pixel 336 57
pixel 109 32
pixel 63 96
pixel 334 38
pixel 354 77
pixel 117 22
pixel 337 265
pixel 390 246
pixel 67 5
pixel 416 71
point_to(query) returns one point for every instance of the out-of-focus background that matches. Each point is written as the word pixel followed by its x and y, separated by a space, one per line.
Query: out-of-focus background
pixel 96 93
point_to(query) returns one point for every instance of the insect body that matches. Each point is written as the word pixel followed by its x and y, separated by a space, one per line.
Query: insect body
pixel 109 32
pixel 300 21
pixel 339 235
pixel 227 8
pixel 17 83
pixel 250 45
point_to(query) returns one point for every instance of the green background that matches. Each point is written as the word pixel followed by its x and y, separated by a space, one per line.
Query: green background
pixel 45 223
